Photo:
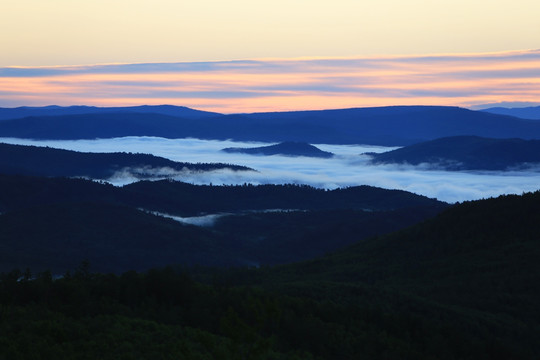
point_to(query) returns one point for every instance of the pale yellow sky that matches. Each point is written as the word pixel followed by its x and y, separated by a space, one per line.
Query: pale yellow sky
pixel 69 32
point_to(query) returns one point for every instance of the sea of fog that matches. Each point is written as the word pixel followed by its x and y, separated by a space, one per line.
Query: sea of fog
pixel 349 167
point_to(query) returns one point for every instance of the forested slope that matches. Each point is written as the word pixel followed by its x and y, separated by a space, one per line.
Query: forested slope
pixel 45 161
pixel 462 285
pixel 55 223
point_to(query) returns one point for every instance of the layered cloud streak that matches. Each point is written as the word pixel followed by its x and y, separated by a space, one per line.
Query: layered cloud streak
pixel 280 84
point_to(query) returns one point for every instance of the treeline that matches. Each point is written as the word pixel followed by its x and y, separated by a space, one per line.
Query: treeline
pixel 184 199
pixel 163 313
pixel 45 161
pixel 462 285
pixel 118 238
pixel 54 223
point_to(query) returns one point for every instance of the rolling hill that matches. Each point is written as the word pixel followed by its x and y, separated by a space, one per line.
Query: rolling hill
pixel 45 161
pixel 361 272
pixel 463 281
pixel 182 199
pixel 397 125
pixel 530 112
pixel 55 223
pixel 461 285
pixel 467 153
pixel 178 111
pixel 288 148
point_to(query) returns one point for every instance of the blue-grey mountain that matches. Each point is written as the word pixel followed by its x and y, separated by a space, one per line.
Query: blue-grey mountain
pixel 178 111
pixel 530 112
pixel 467 153
pixel 397 125
pixel 287 148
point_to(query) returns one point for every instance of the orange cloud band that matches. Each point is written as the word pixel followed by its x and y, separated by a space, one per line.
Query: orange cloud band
pixel 277 84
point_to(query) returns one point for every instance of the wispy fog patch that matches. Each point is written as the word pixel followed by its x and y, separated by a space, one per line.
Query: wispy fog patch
pixel 132 174
pixel 350 167
pixel 204 220
pixel 209 220
pixel 142 173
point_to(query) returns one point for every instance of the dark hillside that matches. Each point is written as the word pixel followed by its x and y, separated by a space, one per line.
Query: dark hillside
pixel 187 199
pixel 116 238
pixel 54 223
pixel 469 274
pixel 487 237
pixel 467 153
pixel 184 199
pixel 477 260
pixel 44 161
pixel 463 285
pixel 113 238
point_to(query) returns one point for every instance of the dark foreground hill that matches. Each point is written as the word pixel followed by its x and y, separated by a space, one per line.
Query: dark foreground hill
pixel 470 273
pixel 182 199
pixel 116 238
pixel 467 153
pixel 395 125
pixel 44 161
pixel 288 148
pixel 55 223
pixel 463 285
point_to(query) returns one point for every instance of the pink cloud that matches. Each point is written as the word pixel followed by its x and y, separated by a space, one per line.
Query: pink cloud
pixel 278 84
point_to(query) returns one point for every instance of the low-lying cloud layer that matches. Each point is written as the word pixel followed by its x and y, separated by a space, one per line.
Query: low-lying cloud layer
pixel 347 168
pixel 278 84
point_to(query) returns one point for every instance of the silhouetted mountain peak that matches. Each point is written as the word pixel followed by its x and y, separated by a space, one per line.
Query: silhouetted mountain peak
pixel 393 125
pixel 55 110
pixel 288 148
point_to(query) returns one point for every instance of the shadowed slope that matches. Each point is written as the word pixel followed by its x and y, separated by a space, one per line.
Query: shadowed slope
pixel 44 161
pixel 467 153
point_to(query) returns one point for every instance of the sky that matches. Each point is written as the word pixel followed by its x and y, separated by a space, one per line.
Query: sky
pixel 258 55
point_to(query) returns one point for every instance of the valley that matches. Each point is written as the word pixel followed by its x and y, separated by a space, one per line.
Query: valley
pixel 424 249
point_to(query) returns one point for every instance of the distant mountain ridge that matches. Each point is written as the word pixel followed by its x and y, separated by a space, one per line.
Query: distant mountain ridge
pixel 390 126
pixel 530 112
pixel 288 148
pixel 467 153
pixel 53 110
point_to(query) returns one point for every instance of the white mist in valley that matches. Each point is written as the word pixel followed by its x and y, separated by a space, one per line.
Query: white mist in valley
pixel 349 167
